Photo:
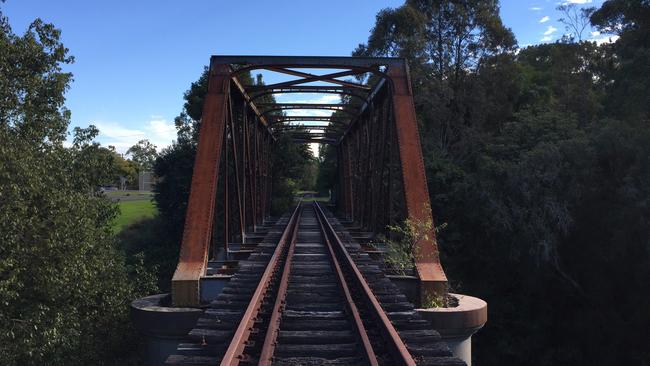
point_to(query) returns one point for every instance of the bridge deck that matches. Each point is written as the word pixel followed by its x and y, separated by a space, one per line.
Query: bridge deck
pixel 315 322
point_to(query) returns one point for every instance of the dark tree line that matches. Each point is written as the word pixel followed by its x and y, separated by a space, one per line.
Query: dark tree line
pixel 538 160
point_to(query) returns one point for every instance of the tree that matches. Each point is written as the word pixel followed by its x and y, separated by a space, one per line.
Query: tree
pixel 575 20
pixel 449 45
pixel 144 154
pixel 92 164
pixel 64 286
pixel 125 170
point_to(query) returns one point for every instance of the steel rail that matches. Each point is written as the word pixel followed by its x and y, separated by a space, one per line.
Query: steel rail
pixel 395 344
pixel 352 307
pixel 273 328
pixel 239 341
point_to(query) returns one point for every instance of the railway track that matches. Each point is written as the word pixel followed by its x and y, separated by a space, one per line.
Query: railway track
pixel 312 299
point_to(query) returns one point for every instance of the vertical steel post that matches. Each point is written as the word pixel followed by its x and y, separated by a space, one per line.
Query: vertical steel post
pixel 432 277
pixel 199 219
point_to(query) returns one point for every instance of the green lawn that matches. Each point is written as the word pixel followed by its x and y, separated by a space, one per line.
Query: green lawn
pixel 132 211
pixel 316 199
pixel 131 193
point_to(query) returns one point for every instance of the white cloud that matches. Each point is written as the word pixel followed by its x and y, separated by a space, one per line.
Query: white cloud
pixel 535 8
pixel 546 39
pixel 550 30
pixel 604 39
pixel 111 133
pixel 157 130
pixel 309 112
pixel 163 131
pixel 308 98
pixel 544 19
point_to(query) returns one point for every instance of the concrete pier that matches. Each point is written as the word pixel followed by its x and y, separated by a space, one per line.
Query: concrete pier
pixel 457 324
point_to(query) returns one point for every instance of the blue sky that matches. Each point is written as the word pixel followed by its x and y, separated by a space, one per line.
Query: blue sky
pixel 134 59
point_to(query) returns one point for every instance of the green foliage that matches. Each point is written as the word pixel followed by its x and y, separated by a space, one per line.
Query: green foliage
pixel 291 165
pixel 126 169
pixel 401 245
pixel 327 180
pixel 401 254
pixel 629 80
pixel 92 164
pixel 174 169
pixel 64 285
pixel 149 241
pixel 439 301
pixel 460 55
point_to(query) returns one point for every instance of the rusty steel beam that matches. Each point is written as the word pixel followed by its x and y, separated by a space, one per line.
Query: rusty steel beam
pixel 200 210
pixel 433 280
pixel 307 61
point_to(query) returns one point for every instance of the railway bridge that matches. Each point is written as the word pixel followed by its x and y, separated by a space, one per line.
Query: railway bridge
pixel 309 287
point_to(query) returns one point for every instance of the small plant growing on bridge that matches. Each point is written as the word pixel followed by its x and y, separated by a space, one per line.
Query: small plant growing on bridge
pixel 401 253
pixel 439 301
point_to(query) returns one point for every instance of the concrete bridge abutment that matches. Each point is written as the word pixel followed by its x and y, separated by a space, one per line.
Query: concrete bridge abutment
pixel 163 326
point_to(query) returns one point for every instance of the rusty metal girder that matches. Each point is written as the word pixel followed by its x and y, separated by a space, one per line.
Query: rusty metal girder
pixel 200 210
pixel 432 277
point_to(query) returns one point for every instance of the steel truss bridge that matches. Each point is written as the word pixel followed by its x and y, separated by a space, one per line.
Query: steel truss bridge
pixel 290 276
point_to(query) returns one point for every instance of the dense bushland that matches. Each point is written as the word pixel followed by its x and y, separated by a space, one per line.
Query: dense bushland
pixel 538 160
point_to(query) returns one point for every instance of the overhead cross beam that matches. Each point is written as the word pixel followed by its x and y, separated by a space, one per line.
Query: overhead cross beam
pixel 258 91
pixel 310 78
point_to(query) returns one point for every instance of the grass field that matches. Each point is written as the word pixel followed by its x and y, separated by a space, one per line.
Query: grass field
pixel 132 211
